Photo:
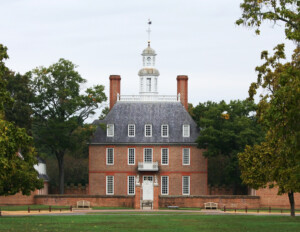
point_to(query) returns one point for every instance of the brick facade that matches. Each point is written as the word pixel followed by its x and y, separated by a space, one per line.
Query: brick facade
pixel 98 170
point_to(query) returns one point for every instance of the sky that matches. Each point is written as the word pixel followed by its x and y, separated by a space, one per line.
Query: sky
pixel 193 37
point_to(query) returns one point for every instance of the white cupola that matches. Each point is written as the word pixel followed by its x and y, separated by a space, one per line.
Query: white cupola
pixel 148 74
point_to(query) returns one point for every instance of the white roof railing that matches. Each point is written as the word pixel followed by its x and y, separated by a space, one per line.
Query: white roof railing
pixel 148 98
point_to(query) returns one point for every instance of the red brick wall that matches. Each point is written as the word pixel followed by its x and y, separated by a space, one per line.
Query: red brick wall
pixel 114 89
pixel 104 201
pixel 98 170
pixel 18 199
pixel 198 201
pixel 182 88
pixel 269 197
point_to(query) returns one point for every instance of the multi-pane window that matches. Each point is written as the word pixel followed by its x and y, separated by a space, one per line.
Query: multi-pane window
pixel 110 156
pixel 148 155
pixel 164 130
pixel 110 130
pixel 186 130
pixel 148 85
pixel 164 156
pixel 148 130
pixel 186 156
pixel 142 84
pixel 109 185
pixel 131 185
pixel 131 156
pixel 186 185
pixel 131 130
pixel 164 185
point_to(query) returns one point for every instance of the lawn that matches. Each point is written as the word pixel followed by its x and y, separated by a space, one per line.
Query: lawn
pixel 161 223
pixel 46 207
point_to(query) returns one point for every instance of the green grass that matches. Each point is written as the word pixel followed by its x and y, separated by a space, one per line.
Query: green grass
pixel 25 207
pixel 263 210
pixel 161 223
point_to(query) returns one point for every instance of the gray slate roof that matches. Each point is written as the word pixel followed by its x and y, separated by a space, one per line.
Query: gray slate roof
pixel 141 113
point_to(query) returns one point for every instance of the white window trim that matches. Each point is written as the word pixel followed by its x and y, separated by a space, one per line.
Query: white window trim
pixel 133 130
pixel 151 154
pixel 162 186
pixel 128 185
pixel 128 156
pixel 183 156
pixel 189 178
pixel 162 134
pixel 189 132
pixel 113 185
pixel 113 155
pixel 107 130
pixel 150 130
pixel 162 156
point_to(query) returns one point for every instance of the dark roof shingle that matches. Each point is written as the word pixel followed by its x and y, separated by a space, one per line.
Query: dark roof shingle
pixel 141 113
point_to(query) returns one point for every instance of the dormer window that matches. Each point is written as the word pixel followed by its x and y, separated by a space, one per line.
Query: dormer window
pixel 164 130
pixel 148 130
pixel 110 130
pixel 186 130
pixel 131 130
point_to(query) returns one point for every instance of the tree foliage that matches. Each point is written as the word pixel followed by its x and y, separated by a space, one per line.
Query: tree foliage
pixel 286 11
pixel 19 110
pixel 279 111
pixel 60 109
pixel 225 131
pixel 17 173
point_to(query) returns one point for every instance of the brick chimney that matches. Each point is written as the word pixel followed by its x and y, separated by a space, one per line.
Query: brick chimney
pixel 114 89
pixel 182 88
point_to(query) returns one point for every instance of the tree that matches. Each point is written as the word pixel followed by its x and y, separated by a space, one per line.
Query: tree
pixel 277 160
pixel 278 107
pixel 104 112
pixel 285 11
pixel 17 156
pixel 19 110
pixel 225 130
pixel 60 109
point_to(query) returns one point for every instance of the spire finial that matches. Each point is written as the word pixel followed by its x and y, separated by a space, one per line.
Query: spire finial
pixel 149 31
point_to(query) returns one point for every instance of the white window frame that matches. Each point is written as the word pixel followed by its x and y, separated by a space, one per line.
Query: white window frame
pixel 151 155
pixel 129 125
pixel 128 185
pixel 113 158
pixel 167 156
pixel 148 84
pixel 186 133
pixel 161 182
pixel 133 156
pixel 189 156
pixel 110 130
pixel 113 185
pixel 162 130
pixel 146 125
pixel 189 185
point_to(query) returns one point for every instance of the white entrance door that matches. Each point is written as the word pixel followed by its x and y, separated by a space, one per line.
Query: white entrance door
pixel 148 188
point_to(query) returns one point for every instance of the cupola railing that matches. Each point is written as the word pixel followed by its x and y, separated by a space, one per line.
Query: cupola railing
pixel 149 98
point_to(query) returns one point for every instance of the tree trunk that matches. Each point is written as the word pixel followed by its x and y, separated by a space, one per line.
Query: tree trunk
pixel 292 203
pixel 60 159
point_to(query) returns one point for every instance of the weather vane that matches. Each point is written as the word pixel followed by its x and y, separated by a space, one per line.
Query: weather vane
pixel 149 30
